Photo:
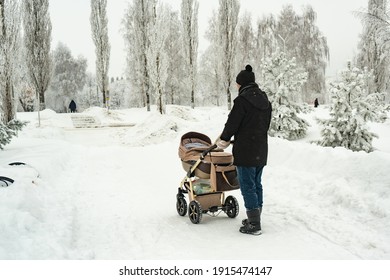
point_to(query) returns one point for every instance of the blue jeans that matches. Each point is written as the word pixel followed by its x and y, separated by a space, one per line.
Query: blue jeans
pixel 250 185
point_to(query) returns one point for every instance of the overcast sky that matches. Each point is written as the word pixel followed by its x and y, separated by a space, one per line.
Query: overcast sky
pixel 335 19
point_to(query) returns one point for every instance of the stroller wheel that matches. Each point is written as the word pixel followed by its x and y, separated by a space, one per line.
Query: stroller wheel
pixel 181 206
pixel 231 207
pixel 195 212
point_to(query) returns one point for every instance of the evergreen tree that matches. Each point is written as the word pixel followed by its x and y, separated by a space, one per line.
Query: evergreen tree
pixel 10 130
pixel 282 80
pixel 351 109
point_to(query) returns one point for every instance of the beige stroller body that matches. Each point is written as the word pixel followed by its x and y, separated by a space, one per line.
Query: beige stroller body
pixel 210 173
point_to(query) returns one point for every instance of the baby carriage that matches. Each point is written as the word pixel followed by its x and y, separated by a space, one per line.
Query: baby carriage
pixel 210 172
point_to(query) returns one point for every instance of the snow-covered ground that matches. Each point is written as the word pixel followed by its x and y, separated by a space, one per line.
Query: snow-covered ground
pixel 110 193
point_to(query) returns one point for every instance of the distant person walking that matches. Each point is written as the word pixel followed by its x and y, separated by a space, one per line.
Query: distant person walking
pixel 72 106
pixel 316 104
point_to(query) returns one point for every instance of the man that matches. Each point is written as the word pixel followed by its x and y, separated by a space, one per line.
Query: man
pixel 72 106
pixel 248 122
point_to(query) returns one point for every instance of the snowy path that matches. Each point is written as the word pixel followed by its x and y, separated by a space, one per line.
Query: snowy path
pixel 110 193
pixel 128 212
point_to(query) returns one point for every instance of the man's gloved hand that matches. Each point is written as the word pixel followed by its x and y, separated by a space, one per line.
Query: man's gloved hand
pixel 222 144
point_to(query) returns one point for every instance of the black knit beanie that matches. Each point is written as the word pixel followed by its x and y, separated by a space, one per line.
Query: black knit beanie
pixel 246 76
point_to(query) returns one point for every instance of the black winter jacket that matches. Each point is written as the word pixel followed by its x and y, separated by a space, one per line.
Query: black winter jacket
pixel 248 122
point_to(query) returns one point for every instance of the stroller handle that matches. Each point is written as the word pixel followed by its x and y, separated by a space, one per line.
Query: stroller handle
pixel 205 152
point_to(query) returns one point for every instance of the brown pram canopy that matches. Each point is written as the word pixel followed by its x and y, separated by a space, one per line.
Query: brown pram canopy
pixel 192 145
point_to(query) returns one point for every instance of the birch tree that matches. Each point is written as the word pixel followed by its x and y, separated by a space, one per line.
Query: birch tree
pixel 299 37
pixel 37 41
pixel 9 31
pixel 10 21
pixel 139 19
pixel 227 23
pixel 246 46
pixel 99 28
pixel 313 54
pixel 189 15
pixel 174 50
pixel 211 68
pixel 157 57
pixel 265 41
pixel 374 46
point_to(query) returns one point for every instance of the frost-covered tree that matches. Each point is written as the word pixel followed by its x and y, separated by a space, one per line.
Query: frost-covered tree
pixel 351 109
pixel 37 41
pixel 282 80
pixel 25 94
pixel 300 37
pixel 189 18
pixel 374 46
pixel 157 57
pixel 9 50
pixel 227 23
pixel 265 40
pixel 210 83
pixel 99 28
pixel 26 97
pixel 314 54
pixel 287 31
pixel 69 78
pixel 90 95
pixel 246 41
pixel 139 19
pixel 173 46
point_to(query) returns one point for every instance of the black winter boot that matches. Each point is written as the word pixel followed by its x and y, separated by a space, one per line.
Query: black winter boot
pixel 252 225
pixel 245 221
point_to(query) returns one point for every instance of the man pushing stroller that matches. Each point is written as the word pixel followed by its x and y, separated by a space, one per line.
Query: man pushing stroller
pixel 248 122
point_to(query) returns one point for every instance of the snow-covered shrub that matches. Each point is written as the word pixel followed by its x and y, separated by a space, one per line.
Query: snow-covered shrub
pixel 351 108
pixel 283 80
pixel 10 130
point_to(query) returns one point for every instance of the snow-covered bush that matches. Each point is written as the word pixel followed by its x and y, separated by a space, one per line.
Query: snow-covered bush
pixel 282 82
pixel 351 108
pixel 10 130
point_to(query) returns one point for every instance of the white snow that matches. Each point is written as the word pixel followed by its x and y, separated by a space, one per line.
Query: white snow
pixel 109 193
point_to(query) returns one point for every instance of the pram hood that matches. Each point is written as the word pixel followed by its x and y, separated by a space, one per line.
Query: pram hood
pixel 192 144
